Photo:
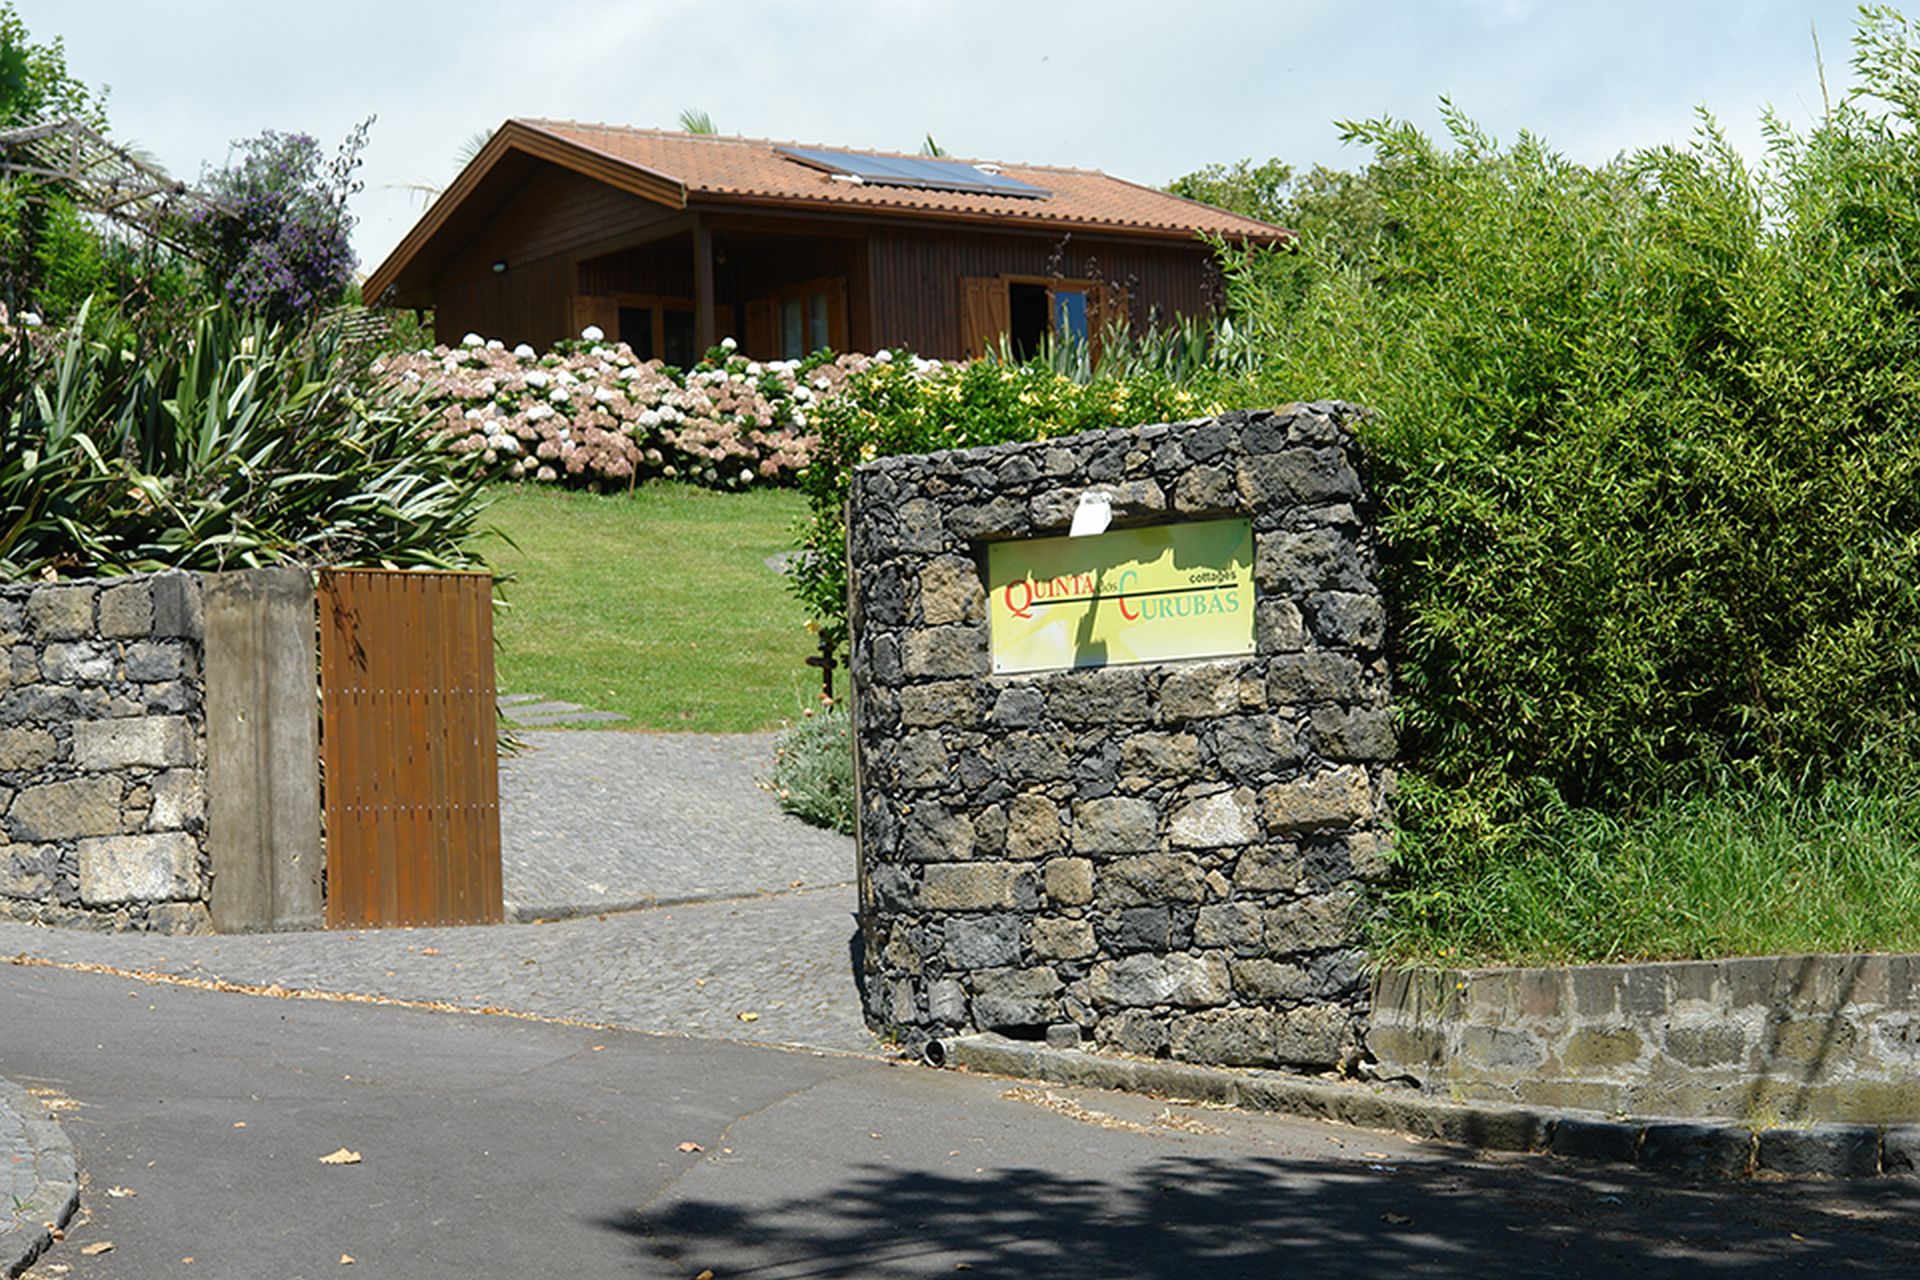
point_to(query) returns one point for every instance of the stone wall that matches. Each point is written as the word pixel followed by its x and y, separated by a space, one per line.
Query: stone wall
pixel 102 753
pixel 1163 858
pixel 1764 1040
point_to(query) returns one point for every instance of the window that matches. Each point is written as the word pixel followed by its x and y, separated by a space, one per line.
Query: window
pixel 799 320
pixel 657 328
pixel 1024 310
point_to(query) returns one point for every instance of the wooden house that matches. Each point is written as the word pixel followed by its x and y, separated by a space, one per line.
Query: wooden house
pixel 671 241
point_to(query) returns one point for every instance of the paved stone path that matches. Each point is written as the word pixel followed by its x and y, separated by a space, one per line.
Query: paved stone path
pixel 532 711
pixel 760 923
pixel 600 821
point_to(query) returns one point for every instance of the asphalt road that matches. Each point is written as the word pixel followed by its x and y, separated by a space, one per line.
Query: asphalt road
pixel 499 1147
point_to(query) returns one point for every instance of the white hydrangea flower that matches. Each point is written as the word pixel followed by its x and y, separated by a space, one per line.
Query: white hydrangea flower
pixel 650 418
pixel 728 344
pixel 799 419
pixel 558 395
pixel 753 369
pixel 524 352
pixel 537 378
pixel 592 333
pixel 539 413
pixel 883 356
pixel 494 344
pixel 746 476
pixel 629 373
pixel 473 340
pixel 474 415
pixel 802 395
pixel 602 395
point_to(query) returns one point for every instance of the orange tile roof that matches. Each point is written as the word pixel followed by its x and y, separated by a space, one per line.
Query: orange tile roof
pixel 721 168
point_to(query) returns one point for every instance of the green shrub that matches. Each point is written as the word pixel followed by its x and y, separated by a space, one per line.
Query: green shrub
pixel 892 408
pixel 1647 466
pixel 813 768
pixel 236 444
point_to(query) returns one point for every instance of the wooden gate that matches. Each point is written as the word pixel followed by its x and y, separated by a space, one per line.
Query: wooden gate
pixel 408 748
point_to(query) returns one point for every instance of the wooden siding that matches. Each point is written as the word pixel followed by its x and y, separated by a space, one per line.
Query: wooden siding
pixel 526 304
pixel 918 279
pixel 663 270
pixel 539 231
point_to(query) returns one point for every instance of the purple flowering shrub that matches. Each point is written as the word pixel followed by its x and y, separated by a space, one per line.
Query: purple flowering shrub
pixel 592 414
pixel 277 242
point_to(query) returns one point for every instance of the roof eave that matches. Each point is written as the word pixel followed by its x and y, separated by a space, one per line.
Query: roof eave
pixel 518 135
pixel 703 200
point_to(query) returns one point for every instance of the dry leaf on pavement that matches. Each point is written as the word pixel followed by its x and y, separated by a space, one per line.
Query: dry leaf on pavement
pixel 691 1146
pixel 342 1156
pixel 346 1259
pixel 97 1247
pixel 748 1015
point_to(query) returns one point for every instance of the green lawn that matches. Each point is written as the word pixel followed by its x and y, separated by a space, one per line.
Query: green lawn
pixel 656 604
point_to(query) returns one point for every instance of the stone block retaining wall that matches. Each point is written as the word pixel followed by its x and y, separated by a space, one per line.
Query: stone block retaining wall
pixel 1765 1040
pixel 1165 858
pixel 102 753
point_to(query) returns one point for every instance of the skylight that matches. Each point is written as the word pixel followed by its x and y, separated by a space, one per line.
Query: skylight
pixel 919 172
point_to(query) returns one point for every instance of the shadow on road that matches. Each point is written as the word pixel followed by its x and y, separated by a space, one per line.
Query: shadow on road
pixel 1203 1217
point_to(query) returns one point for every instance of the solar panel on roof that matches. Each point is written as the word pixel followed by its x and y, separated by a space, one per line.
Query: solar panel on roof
pixel 919 172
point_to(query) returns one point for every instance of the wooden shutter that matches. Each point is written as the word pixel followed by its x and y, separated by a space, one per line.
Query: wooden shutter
pixel 763 335
pixel 837 313
pixel 595 308
pixel 985 316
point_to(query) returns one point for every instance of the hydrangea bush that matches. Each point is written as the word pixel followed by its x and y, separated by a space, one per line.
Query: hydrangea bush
pixel 593 414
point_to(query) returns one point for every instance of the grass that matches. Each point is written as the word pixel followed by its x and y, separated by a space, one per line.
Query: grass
pixel 1736 870
pixel 657 604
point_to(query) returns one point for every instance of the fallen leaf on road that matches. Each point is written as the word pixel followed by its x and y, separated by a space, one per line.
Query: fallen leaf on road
pixel 795 884
pixel 1374 1155
pixel 690 1147
pixel 597 1048
pixel 346 1259
pixel 239 1124
pixel 1397 1219
pixel 56 1233
pixel 705 1275
pixel 121 1193
pixel 748 1015
pixel 429 951
pixel 97 1248
pixel 342 1156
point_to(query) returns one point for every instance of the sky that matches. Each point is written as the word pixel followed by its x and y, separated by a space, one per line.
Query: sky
pixel 1143 89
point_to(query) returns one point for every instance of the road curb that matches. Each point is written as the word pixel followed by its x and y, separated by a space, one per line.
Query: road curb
pixel 1696 1147
pixel 54 1189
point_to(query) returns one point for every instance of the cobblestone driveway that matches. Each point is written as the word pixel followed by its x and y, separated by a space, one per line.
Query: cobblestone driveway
pixel 590 822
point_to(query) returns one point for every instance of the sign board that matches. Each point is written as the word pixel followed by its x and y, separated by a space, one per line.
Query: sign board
pixel 1133 595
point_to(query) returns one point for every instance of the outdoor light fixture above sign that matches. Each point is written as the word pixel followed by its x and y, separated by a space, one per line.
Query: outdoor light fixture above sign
pixel 1134 595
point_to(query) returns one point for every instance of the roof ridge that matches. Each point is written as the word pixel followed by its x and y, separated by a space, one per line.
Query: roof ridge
pixel 748 140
